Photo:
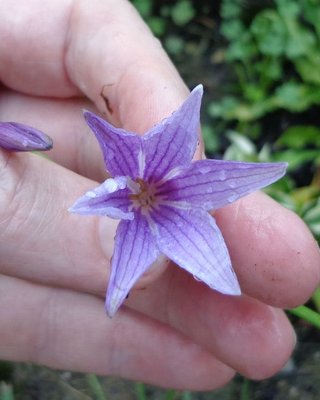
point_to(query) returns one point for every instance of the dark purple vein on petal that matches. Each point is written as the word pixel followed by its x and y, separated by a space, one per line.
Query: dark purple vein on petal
pixel 184 236
pixel 172 188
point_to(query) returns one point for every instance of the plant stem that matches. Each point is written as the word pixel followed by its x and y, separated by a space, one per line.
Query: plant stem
pixel 171 394
pixel 307 314
pixel 186 396
pixel 316 299
pixel 140 391
pixel 6 392
pixel 245 389
pixel 95 387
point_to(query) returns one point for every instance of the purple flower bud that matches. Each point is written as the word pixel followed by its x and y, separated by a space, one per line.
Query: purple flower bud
pixel 20 137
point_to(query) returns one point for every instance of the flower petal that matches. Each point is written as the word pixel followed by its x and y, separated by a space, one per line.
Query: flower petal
pixel 110 199
pixel 211 184
pixel 173 142
pixel 135 250
pixel 20 137
pixel 192 239
pixel 120 148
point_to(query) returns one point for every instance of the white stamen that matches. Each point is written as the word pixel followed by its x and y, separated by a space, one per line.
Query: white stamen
pixel 142 163
pixel 170 175
pixel 182 205
pixel 133 186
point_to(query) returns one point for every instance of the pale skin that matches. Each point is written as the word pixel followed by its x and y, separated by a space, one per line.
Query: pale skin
pixel 55 59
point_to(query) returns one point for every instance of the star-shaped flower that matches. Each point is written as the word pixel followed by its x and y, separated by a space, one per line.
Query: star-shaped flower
pixel 162 198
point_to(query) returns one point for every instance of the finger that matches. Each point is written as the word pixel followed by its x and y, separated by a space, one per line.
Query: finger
pixel 69 330
pixel 252 338
pixel 39 239
pixel 75 147
pixel 35 196
pixel 136 87
pixel 32 43
pixel 103 49
pixel 273 252
pixel 54 247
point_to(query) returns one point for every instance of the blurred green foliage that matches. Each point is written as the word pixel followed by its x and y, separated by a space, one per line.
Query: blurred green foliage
pixel 274 51
pixel 304 200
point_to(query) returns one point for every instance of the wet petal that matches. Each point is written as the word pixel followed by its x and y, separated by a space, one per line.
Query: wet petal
pixel 192 239
pixel 211 184
pixel 110 199
pixel 20 137
pixel 173 142
pixel 135 250
pixel 120 148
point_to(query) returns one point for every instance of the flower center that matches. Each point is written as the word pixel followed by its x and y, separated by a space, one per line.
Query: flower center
pixel 144 195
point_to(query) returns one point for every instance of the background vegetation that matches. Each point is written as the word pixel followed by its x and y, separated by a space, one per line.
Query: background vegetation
pixel 259 62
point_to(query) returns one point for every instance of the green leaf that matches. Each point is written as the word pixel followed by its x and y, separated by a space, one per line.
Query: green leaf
pixel 270 68
pixel 232 29
pixel 300 39
pixel 230 8
pixel 157 25
pixel 182 12
pixel 312 218
pixel 289 8
pixel 222 108
pixel 300 136
pixel 311 12
pixel 210 139
pixel 308 67
pixel 270 33
pixel 295 97
pixel 300 42
pixel 306 196
pixel 296 158
pixel 254 93
pixel 242 49
pixel 241 148
pixel 174 44
pixel 144 7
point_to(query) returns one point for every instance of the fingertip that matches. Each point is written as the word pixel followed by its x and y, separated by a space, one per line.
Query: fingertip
pixel 275 257
pixel 274 345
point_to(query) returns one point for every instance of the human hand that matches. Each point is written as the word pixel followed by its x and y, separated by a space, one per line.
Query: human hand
pixel 176 332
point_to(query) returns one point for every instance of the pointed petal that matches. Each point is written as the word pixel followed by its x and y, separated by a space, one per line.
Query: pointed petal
pixel 211 184
pixel 135 250
pixel 173 142
pixel 192 239
pixel 110 199
pixel 20 137
pixel 120 148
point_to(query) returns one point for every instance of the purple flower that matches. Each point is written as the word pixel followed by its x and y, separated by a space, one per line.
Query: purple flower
pixel 20 137
pixel 163 197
